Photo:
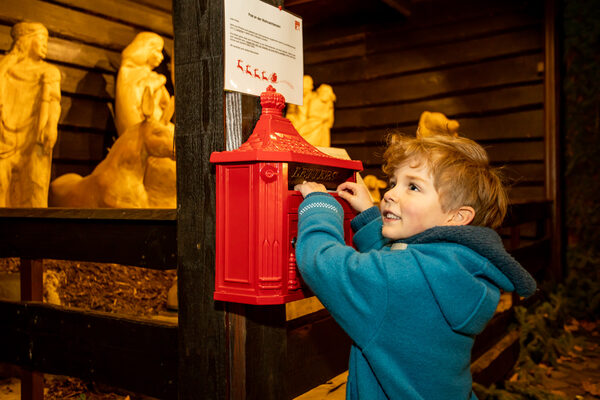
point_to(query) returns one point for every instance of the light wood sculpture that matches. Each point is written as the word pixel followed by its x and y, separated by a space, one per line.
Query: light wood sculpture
pixel 29 114
pixel 374 185
pixel 136 74
pixel 435 123
pixel 118 181
pixel 314 119
pixel 299 114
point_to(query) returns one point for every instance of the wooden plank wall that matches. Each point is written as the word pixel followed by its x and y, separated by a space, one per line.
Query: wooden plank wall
pixel 86 40
pixel 478 62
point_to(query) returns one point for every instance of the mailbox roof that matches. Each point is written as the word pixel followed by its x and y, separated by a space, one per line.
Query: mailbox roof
pixel 275 139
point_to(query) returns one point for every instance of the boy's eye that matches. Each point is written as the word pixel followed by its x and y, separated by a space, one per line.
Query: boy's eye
pixel 391 184
pixel 412 186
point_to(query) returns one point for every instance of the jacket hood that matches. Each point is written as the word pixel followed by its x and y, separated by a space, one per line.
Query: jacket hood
pixel 487 243
pixel 465 279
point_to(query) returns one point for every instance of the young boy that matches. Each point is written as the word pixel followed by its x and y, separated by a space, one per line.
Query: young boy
pixel 427 274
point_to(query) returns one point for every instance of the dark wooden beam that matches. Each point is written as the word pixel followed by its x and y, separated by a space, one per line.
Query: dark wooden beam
pixel 317 350
pixel 144 238
pixel 32 289
pixel 552 135
pixel 131 353
pixel 498 361
pixel 199 130
pixel 32 385
pixel 266 353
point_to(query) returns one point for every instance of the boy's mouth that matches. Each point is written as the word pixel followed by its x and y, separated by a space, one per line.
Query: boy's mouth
pixel 390 216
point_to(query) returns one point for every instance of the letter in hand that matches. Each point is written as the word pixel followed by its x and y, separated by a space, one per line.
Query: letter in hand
pixel 356 195
pixel 307 188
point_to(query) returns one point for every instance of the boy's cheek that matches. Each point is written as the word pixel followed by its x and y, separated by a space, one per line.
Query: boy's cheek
pixel 385 232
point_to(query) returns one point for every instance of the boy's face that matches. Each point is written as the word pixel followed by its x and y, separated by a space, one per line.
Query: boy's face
pixel 412 204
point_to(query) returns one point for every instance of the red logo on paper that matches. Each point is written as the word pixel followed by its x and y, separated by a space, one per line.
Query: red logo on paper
pixel 297 25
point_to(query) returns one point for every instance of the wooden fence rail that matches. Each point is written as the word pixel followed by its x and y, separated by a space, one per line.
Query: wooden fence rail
pixel 140 237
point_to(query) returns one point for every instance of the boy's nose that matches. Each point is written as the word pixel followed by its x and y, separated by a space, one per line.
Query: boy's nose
pixel 390 196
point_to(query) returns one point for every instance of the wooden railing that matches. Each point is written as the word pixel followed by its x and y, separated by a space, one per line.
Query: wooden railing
pixel 128 352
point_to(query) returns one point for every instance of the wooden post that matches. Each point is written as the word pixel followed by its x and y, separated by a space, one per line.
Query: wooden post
pixel 266 353
pixel 212 338
pixel 199 130
pixel 32 273
pixel 552 138
pixel 236 335
pixel 32 289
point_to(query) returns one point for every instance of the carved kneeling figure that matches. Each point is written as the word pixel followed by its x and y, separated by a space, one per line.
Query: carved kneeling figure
pixel 118 181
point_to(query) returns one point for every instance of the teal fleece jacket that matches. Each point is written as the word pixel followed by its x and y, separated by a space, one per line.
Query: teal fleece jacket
pixel 412 308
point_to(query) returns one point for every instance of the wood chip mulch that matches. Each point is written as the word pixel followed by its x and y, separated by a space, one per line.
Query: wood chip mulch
pixel 112 288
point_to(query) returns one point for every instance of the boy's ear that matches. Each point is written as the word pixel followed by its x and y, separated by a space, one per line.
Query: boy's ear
pixel 463 216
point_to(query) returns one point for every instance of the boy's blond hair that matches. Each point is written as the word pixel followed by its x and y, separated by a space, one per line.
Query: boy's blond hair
pixel 461 172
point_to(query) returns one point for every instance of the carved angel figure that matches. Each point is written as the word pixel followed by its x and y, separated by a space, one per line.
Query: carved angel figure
pixel 299 114
pixel 136 74
pixel 29 114
pixel 314 119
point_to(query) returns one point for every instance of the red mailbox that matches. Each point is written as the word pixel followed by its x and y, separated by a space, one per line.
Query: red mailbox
pixel 257 207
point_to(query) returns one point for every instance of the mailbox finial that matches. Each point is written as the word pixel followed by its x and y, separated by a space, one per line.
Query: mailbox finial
pixel 271 101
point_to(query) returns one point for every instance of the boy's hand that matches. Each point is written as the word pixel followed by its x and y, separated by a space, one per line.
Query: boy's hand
pixel 355 194
pixel 307 188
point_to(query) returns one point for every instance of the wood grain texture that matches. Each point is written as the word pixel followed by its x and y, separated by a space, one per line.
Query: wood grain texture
pixel 165 5
pixel 377 65
pixel 203 350
pixel 82 146
pixel 385 38
pixel 498 153
pixel 85 113
pixel 266 353
pixel 504 126
pixel 318 350
pixel 468 77
pixel 89 29
pixel 144 238
pixel 87 83
pixel 128 12
pixel 552 125
pixel 131 353
pixel 32 281
pixel 468 104
pixel 70 52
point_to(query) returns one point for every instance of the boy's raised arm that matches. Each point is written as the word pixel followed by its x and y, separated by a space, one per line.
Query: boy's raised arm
pixel 351 285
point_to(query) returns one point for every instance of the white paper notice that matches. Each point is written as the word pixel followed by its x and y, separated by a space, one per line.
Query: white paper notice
pixel 263 46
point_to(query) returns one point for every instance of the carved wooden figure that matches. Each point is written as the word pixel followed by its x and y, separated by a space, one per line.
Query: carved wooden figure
pixel 136 74
pixel 299 114
pixel 314 119
pixel 118 181
pixel 374 185
pixel 29 114
pixel 435 123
